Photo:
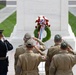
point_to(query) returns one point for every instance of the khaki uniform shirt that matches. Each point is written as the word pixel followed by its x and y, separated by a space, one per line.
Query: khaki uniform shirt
pixel 41 45
pixel 62 64
pixel 51 52
pixel 19 50
pixel 22 49
pixel 28 63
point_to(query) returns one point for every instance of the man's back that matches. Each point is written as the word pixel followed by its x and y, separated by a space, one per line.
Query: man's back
pixel 19 50
pixel 51 52
pixel 62 64
pixel 29 62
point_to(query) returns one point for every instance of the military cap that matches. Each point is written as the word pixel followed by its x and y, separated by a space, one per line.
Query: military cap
pixel 64 45
pixel 30 43
pixel 57 38
pixel 1 31
pixel 27 36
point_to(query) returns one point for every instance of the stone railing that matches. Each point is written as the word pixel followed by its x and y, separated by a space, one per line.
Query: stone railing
pixel 11 3
pixel 72 3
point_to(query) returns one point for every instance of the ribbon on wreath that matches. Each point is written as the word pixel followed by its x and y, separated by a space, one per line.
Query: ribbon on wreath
pixel 42 24
pixel 42 21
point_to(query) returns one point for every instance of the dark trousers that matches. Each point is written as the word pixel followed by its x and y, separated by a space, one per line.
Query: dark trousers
pixel 4 74
pixel 4 66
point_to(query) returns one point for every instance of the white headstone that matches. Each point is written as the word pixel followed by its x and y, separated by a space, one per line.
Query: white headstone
pixel 55 10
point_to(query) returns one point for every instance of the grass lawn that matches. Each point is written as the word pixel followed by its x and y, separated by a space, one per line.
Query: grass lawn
pixel 2 6
pixel 72 22
pixel 8 24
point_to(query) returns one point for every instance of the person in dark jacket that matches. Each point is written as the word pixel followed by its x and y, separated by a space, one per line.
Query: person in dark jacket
pixel 4 48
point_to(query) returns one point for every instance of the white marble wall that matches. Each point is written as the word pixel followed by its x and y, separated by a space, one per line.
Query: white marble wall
pixel 55 10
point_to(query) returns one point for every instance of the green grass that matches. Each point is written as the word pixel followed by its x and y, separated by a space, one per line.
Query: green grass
pixel 72 22
pixel 2 6
pixel 8 24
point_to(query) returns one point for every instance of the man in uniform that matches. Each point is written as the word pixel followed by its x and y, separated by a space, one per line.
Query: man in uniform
pixel 21 49
pixel 28 62
pixel 63 62
pixel 3 52
pixel 52 51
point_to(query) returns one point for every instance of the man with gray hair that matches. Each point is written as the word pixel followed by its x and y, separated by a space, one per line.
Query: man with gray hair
pixel 22 48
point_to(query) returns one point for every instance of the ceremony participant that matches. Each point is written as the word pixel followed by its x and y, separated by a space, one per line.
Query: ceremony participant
pixel 5 46
pixel 55 50
pixel 63 62
pixel 22 48
pixel 52 51
pixel 28 62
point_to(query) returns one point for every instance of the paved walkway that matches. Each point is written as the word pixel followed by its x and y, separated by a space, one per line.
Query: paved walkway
pixel 72 7
pixel 5 12
pixel 73 10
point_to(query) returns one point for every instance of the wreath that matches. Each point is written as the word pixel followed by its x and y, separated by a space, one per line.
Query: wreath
pixel 42 24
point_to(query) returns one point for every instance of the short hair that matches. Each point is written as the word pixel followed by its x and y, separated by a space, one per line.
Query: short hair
pixel 26 37
pixel 64 45
pixel 30 43
pixel 57 38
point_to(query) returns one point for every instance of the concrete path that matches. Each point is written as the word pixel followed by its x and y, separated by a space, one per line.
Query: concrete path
pixel 5 12
pixel 72 7
pixel 73 10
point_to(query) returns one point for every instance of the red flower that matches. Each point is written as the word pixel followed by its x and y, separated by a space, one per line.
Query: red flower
pixel 45 21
